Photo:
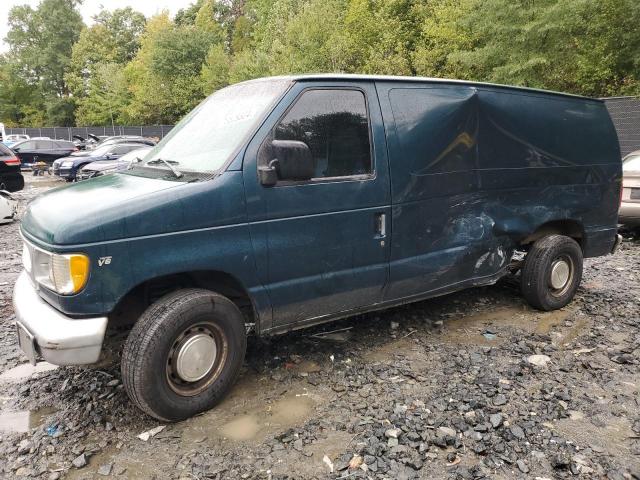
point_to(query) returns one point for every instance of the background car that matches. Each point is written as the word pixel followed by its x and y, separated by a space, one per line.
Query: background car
pixel 629 214
pixel 10 177
pixel 8 207
pixel 102 167
pixel 68 167
pixel 125 139
pixel 14 138
pixel 42 150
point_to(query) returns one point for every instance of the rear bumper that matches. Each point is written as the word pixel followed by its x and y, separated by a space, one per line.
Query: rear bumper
pixel 629 213
pixel 59 339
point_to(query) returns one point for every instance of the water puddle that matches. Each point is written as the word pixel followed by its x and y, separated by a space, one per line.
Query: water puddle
pixel 25 371
pixel 253 422
pixel 489 328
pixel 242 428
pixel 568 335
pixel 387 352
pixel 281 414
pixel 24 420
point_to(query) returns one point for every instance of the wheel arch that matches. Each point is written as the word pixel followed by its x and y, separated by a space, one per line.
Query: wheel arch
pixel 567 227
pixel 137 299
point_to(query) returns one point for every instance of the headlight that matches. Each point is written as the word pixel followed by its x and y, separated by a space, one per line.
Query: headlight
pixel 68 163
pixel 65 274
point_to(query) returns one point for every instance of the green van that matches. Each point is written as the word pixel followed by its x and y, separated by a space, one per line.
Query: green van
pixel 285 202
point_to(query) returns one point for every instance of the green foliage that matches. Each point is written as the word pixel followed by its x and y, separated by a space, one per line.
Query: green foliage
pixel 215 71
pixel 107 98
pixel 122 28
pixel 124 68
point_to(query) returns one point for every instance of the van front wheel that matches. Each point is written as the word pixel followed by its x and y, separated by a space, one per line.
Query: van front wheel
pixel 552 272
pixel 184 354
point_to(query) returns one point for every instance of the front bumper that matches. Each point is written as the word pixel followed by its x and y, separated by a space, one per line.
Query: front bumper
pixel 86 175
pixel 64 172
pixel 59 339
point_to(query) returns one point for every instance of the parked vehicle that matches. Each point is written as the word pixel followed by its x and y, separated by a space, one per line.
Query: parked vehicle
pixel 127 139
pixel 10 177
pixel 14 138
pixel 68 167
pixel 286 202
pixel 80 142
pixel 103 167
pixel 8 207
pixel 42 150
pixel 630 205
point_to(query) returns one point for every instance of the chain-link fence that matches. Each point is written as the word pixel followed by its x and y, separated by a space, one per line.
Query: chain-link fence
pixel 625 113
pixel 66 133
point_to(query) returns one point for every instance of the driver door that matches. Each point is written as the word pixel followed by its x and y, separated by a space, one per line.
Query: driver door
pixel 321 244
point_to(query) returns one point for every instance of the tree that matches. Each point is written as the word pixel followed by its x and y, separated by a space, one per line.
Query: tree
pixel 107 99
pixel 123 27
pixel 16 96
pixel 215 71
pixel 40 43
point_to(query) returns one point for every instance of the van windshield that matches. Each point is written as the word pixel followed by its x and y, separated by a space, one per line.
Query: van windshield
pixel 205 139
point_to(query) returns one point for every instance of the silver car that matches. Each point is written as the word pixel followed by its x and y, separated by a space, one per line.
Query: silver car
pixel 629 214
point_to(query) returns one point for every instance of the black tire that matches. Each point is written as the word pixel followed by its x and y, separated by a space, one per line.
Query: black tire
pixel 536 280
pixel 148 373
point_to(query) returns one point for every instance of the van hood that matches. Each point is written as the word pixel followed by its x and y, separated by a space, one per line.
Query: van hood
pixel 105 208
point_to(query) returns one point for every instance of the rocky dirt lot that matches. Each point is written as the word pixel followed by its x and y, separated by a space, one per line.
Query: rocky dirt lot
pixel 466 386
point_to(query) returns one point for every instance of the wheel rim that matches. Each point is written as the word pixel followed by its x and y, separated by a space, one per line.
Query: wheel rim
pixel 561 275
pixel 196 359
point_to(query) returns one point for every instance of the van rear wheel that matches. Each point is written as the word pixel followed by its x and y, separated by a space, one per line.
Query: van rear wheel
pixel 552 272
pixel 184 354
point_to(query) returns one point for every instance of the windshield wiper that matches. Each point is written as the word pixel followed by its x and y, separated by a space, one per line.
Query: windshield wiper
pixel 168 163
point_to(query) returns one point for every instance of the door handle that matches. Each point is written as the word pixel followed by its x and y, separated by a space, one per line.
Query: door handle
pixel 381 225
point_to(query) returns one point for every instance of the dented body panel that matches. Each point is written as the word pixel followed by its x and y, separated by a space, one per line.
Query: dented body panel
pixel 463 174
pixel 475 170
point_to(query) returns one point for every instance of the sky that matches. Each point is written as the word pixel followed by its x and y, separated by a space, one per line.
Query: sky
pixel 90 7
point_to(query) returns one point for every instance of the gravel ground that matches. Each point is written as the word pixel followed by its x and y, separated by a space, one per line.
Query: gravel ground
pixel 471 385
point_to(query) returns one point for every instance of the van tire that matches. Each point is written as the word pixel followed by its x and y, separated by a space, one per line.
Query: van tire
pixel 547 256
pixel 164 332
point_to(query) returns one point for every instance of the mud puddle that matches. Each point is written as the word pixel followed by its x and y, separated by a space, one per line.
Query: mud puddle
pixel 261 415
pixel 22 421
pixel 256 408
pixel 25 371
pixel 401 347
pixel 496 326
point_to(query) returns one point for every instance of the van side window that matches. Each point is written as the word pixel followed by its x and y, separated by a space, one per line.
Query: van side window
pixel 335 126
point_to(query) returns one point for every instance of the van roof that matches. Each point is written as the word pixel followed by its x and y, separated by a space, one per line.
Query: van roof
pixel 390 78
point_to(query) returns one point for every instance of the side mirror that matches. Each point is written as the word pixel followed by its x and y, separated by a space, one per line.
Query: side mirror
pixel 292 161
pixel 17 149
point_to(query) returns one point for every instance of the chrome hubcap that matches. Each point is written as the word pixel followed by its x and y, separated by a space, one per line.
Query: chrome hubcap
pixel 196 356
pixel 560 274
